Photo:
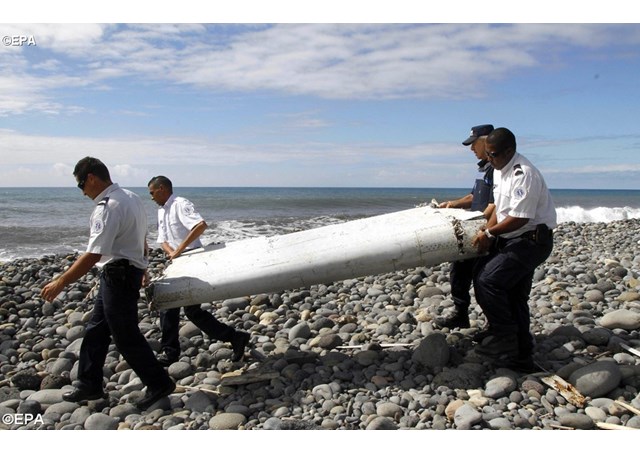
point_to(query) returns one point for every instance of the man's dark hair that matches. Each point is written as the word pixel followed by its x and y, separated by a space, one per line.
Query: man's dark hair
pixel 91 165
pixel 502 140
pixel 161 181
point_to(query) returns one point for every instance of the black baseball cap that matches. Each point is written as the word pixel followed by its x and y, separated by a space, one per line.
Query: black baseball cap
pixel 478 131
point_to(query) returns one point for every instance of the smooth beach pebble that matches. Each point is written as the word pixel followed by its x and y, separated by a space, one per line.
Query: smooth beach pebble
pixel 362 353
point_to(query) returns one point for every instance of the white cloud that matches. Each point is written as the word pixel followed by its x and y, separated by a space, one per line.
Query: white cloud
pixel 132 160
pixel 330 61
pixel 68 39
pixel 126 171
pixel 625 168
pixel 62 170
pixel 48 161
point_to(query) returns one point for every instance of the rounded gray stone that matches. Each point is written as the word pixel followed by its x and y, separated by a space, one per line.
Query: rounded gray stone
pixel 227 421
pixel 466 416
pixel 596 414
pixel 122 411
pixel 621 319
pixel 500 386
pixel 75 332
pixel 500 423
pixel 65 407
pixel 198 401
pixel 389 410
pixel 577 421
pixel 49 396
pixel 301 330
pixel 382 423
pixel 100 421
pixel 60 366
pixel 596 379
pixel 432 352
pixel 179 370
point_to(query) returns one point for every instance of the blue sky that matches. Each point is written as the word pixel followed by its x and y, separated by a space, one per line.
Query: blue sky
pixel 294 103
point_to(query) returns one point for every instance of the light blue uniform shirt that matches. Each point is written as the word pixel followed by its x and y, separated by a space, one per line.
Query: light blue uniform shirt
pixel 519 190
pixel 176 219
pixel 118 227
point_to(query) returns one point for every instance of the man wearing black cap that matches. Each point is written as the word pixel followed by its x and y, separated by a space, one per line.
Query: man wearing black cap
pixel 479 199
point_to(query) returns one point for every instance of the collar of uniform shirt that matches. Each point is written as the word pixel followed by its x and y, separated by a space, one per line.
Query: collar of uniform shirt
pixel 106 192
pixel 169 201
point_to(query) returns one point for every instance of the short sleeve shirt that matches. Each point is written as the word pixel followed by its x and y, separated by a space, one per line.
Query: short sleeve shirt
pixel 118 227
pixel 176 219
pixel 520 191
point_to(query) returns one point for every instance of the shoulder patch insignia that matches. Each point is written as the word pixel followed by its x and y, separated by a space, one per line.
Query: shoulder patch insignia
pixel 188 209
pixel 97 227
pixel 519 193
pixel 97 217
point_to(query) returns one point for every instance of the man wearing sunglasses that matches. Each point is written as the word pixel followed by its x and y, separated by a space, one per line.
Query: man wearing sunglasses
pixel 478 199
pixel 518 238
pixel 117 244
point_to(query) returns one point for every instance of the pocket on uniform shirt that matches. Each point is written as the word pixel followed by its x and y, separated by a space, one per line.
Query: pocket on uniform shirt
pixel 175 225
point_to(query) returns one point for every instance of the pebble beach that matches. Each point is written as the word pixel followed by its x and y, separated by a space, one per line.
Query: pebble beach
pixel 359 354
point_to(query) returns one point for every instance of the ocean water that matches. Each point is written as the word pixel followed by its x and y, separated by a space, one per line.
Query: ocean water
pixel 41 221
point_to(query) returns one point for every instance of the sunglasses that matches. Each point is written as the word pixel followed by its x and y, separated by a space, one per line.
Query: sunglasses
pixel 82 183
pixel 494 154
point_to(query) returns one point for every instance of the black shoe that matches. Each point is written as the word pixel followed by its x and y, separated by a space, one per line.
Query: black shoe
pixel 521 364
pixel 239 341
pixel 165 359
pixel 458 318
pixel 499 345
pixel 154 396
pixel 480 336
pixel 80 395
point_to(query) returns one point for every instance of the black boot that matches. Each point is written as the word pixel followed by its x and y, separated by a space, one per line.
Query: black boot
pixel 499 345
pixel 166 359
pixel 239 341
pixel 457 318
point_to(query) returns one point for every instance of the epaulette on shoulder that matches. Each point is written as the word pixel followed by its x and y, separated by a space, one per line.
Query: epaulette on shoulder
pixel 104 201
pixel 518 170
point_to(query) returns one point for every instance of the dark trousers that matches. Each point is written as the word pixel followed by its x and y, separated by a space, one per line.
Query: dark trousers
pixel 205 321
pixel 502 282
pixel 460 277
pixel 115 316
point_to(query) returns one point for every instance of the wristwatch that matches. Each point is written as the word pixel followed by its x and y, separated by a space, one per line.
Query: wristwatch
pixel 488 234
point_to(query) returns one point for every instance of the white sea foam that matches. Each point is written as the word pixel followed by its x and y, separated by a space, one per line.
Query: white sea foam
pixel 599 214
pixel 29 227
pixel 235 230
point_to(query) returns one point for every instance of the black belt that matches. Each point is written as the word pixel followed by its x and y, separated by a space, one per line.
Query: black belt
pixel 538 235
pixel 529 235
pixel 541 232
pixel 122 263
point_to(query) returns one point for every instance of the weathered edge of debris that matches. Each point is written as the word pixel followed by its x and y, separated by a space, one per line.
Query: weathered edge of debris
pixel 630 349
pixel 628 407
pixel 603 425
pixel 568 391
pixel 239 377
pixel 382 345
